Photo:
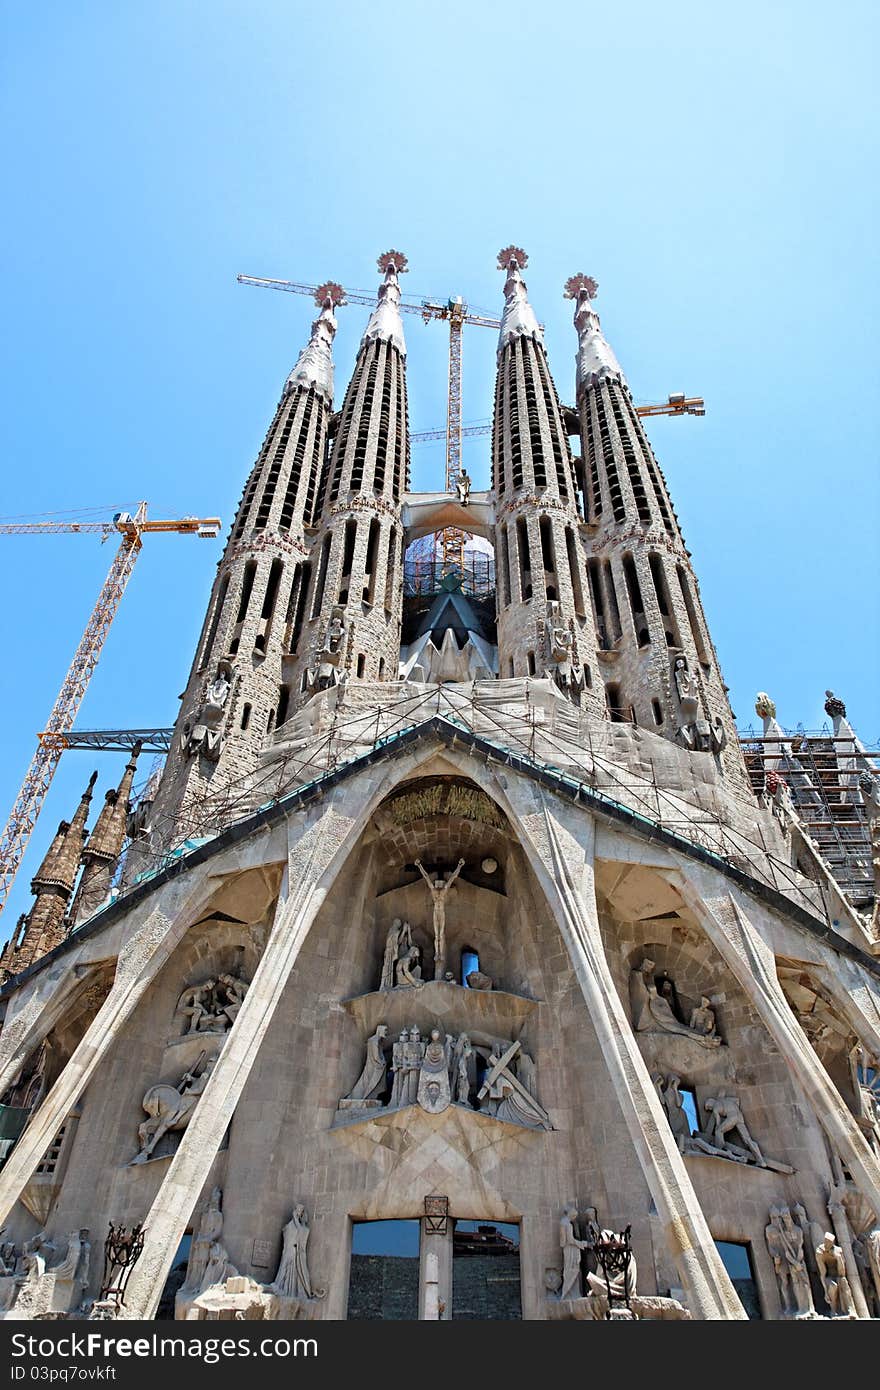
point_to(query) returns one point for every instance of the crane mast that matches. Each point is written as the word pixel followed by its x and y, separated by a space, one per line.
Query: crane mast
pixel 53 741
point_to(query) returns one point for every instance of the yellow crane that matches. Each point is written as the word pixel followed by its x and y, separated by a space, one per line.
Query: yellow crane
pixel 53 740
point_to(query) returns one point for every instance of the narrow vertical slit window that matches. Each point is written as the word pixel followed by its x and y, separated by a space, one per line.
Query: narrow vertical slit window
pixel 548 557
pixel 371 560
pixel 347 559
pixel 575 566
pixel 693 617
pixel 636 603
pixel 525 569
pixel 321 577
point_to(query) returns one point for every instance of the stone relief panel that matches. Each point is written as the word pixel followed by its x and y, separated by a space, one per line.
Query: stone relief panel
pixel 38 1282
pixel 494 1076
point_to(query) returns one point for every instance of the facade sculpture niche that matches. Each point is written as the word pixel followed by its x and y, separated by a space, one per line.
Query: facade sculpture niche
pixel 697 733
pixel 495 1076
pixel 715 1136
pixel 170 1108
pixel 212 1006
pixel 329 660
pixel 653 1012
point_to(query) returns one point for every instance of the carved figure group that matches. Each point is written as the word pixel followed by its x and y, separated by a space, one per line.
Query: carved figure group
pixel 441 1070
pixel 652 1011
pixel 616 1281
pixel 786 1244
pixel 401 962
pixel 212 1006
pixel 328 668
pixel 715 1138
pixel 37 1284
pixel 832 1273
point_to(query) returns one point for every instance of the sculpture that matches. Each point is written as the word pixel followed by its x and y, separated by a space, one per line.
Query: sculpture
pixel 463 487
pixel 504 1095
pixel 865 1075
pixel 171 1107
pixel 41 1289
pixel 293 1279
pixel 461 1069
pixel 408 971
pixel 204 735
pixel 832 1273
pixel 212 1007
pixel 398 1064
pixel 673 1104
pixel 477 980
pixel 765 708
pixel 559 640
pixel 686 686
pixel 399 938
pixel 218 1269
pixel 371 1082
pixel 702 1019
pixel 209 1230
pixel 727 1118
pixel 329 654
pixel 785 1242
pixel 438 888
pixel 571 1254
pixel 434 1092
pixel 412 1063
pixel 615 1282
pixel 653 1013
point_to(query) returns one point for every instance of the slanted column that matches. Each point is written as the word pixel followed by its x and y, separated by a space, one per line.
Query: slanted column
pixel 313 860
pixel 564 863
pixel 145 954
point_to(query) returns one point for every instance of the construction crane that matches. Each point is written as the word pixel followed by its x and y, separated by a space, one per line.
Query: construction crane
pixel 57 733
pixel 456 313
pixel 678 404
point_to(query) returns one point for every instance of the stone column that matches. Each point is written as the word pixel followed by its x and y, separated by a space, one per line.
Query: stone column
pixel 435 1274
pixel 564 865
pixel 312 861
pixel 751 959
pixel 139 963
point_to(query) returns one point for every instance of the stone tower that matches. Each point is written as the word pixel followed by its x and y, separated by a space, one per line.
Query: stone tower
pixel 656 656
pixel 545 623
pixel 103 847
pixel 237 692
pixel 43 928
pixel 352 625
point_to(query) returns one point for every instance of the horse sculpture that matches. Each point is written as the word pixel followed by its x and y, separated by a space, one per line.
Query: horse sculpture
pixel 171 1107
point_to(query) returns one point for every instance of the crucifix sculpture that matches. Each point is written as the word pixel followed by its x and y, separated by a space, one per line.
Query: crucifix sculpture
pixel 438 888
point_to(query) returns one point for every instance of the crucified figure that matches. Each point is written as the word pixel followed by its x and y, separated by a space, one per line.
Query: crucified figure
pixel 438 888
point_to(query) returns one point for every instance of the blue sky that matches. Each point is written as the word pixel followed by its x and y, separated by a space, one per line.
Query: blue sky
pixel 714 169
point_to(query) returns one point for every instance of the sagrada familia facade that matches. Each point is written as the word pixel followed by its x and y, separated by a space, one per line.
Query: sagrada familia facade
pixel 464 962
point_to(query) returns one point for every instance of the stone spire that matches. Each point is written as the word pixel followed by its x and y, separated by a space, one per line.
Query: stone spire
pixel 43 928
pixel 104 846
pixel 314 367
pixel 353 619
pixel 545 626
pixel 658 663
pixel 518 319
pixel 595 360
pixel 386 325
pixel 238 690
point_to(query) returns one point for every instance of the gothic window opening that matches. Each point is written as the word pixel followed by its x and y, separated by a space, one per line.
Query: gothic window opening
pixel 486 1271
pixel 737 1259
pixel 614 489
pixel 530 660
pixel 657 711
pixel 693 619
pixel 594 578
pixel 289 503
pixel 361 665
pixel 360 448
pixel 301 584
pixel 316 473
pixel 401 438
pixel 341 441
pixel 384 425
pixel 247 584
pixel 513 420
pixel 211 634
pixel 268 609
pixel 558 438
pixel 383 1281
pixel 283 704
pixel 381 672
pixel 592 494
pixel 470 961
pixel 613 609
pixel 525 569
pixel 245 716
pixel 663 601
pixel 268 495
pixel 548 557
pixel 390 570
pixel 504 569
pixel 636 602
pixel 321 577
pixel 347 559
pixel 371 559
pixel 614 703
pixel 574 565
pixel 629 455
pixel 539 468
pixel 659 493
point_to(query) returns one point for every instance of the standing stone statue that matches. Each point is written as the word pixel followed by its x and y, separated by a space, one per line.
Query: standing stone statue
pixel 371 1082
pixel 673 1104
pixel 571 1254
pixel 412 1062
pixel 461 1070
pixel 210 1229
pixel 293 1279
pixel 832 1272
pixel 434 1092
pixel 398 939
pixel 398 1064
pixel 438 888
pixel 785 1242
